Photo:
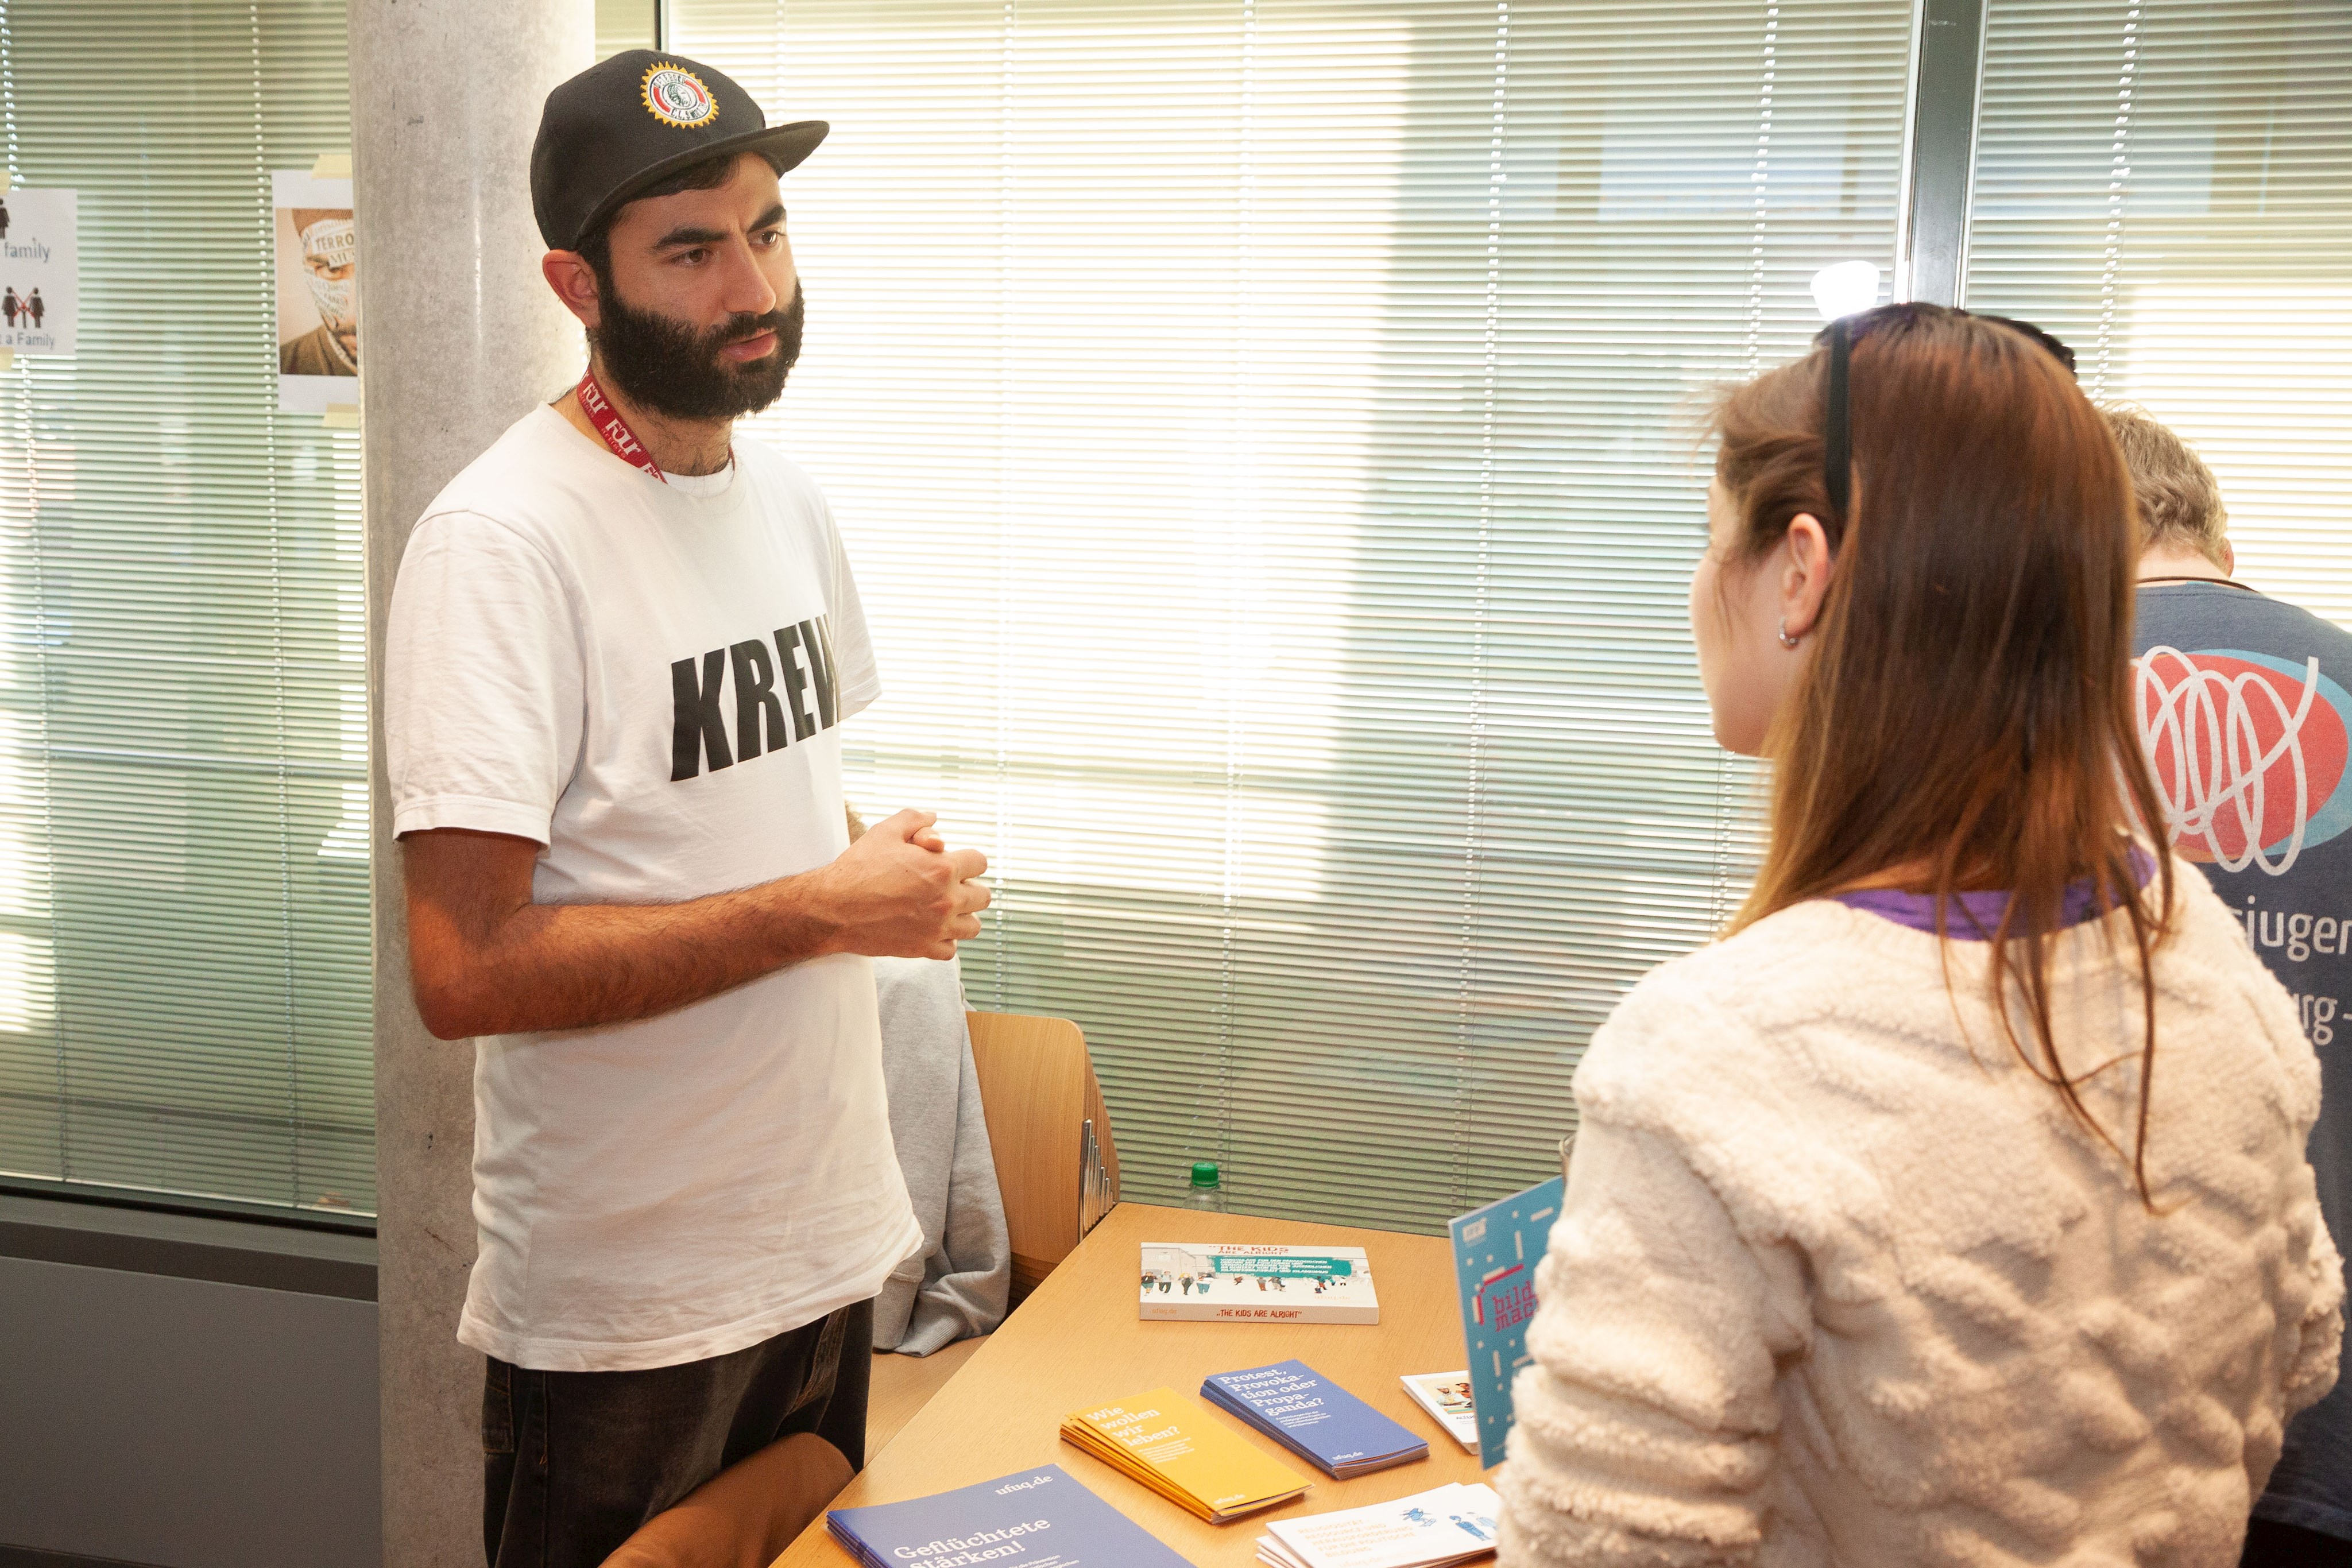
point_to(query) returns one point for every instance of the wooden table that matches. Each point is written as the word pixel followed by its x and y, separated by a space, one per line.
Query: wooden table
pixel 1079 1342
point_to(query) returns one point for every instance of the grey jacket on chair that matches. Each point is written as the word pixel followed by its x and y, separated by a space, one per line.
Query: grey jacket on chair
pixel 957 1286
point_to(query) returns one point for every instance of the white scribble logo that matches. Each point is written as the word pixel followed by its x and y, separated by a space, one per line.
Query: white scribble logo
pixel 2228 747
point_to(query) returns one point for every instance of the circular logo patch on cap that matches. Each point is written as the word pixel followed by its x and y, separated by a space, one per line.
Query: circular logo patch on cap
pixel 676 96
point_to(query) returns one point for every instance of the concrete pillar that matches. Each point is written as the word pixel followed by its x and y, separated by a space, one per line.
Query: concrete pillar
pixel 461 338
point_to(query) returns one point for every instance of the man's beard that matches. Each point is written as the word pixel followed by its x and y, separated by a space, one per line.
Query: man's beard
pixel 674 369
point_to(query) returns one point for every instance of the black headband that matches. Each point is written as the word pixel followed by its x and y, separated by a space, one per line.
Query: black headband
pixel 1837 443
pixel 1837 432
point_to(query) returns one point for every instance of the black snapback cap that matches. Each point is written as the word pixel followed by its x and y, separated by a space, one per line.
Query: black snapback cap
pixel 629 121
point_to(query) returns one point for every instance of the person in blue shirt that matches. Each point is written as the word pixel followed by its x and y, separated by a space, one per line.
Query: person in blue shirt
pixel 2243 707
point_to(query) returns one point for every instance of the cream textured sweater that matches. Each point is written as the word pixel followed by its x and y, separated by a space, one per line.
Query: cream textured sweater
pixel 1837 1279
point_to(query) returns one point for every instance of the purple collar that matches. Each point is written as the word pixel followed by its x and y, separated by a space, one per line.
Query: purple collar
pixel 1978 916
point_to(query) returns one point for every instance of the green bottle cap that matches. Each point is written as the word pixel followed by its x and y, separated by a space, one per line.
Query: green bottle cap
pixel 1204 1172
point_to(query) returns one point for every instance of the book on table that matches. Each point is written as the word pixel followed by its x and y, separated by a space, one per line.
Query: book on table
pixel 1447 1398
pixel 1040 1519
pixel 1495 1250
pixel 1316 1419
pixel 1201 1282
pixel 1174 1447
pixel 1451 1524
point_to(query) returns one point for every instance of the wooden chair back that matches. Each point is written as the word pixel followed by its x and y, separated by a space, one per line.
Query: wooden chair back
pixel 746 1515
pixel 1038 1089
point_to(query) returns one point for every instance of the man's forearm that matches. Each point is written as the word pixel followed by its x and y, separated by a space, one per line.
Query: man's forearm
pixel 557 966
pixel 488 959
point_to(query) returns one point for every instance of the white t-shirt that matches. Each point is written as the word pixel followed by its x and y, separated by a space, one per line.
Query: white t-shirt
pixel 649 681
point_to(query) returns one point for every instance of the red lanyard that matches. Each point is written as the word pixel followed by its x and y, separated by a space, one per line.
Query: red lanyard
pixel 614 428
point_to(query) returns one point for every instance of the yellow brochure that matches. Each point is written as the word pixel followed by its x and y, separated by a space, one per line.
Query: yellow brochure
pixel 1174 1445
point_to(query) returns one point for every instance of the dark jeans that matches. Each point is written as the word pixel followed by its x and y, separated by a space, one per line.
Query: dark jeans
pixel 573 1462
pixel 2270 1544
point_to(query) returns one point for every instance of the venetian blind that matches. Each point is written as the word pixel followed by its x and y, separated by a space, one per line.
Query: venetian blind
pixel 1254 424
pixel 2168 186
pixel 625 24
pixel 184 913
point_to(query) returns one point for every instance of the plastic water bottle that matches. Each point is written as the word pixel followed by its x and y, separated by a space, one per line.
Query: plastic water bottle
pixel 1204 1193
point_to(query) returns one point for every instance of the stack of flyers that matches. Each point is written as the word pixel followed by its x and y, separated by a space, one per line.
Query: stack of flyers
pixel 1042 1516
pixel 1446 1396
pixel 1176 1448
pixel 1452 1524
pixel 1316 1420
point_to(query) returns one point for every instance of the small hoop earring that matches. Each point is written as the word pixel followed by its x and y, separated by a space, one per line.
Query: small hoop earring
pixel 1787 640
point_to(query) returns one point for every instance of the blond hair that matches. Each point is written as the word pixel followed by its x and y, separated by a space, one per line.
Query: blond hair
pixel 2180 503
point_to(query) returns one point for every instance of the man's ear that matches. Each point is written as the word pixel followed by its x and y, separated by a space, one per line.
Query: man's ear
pixel 2229 558
pixel 574 281
pixel 1805 573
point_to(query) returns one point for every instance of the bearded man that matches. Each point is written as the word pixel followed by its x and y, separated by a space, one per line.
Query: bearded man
pixel 622 645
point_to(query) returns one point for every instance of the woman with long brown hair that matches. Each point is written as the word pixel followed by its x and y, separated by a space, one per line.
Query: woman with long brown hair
pixel 1952 1209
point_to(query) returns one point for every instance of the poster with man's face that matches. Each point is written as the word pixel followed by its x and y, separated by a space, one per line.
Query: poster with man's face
pixel 318 292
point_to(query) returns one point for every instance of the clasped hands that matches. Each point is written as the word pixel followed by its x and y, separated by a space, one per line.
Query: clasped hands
pixel 899 892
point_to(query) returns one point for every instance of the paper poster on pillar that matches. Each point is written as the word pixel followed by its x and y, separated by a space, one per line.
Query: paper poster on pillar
pixel 38 271
pixel 318 292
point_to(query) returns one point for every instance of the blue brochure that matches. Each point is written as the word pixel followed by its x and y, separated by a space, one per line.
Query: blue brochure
pixel 1495 1250
pixel 1041 1517
pixel 1317 1420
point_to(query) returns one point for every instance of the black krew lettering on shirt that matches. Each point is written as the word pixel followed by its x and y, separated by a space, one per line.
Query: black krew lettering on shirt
pixel 783 692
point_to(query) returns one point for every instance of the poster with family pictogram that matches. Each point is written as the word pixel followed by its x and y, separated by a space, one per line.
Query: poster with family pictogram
pixel 39 270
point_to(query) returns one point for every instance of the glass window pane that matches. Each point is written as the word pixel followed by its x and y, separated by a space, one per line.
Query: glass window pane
pixel 1259 429
pixel 2169 190
pixel 185 987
